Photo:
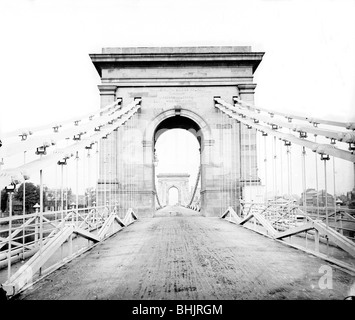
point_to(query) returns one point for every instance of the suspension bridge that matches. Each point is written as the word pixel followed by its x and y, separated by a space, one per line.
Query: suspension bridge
pixel 244 236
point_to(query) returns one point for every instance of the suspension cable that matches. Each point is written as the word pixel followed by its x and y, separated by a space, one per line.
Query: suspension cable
pixel 317 185
pixel 115 171
pixel 266 166
pixel 244 159
pixel 231 146
pixel 220 162
pixel 121 170
pixel 156 194
pixel 281 170
pixel 235 194
pixel 195 186
pixel 73 121
pixel 24 207
pixel 7 175
pixel 249 158
pixel 349 126
pixel 325 158
pixel 104 169
pixel 290 171
pixel 77 186
pixel 316 147
pixel 88 185
pixel 62 188
pixel 221 132
pixel 98 143
pixel 111 193
pixel 304 183
pixel 334 185
pixel 274 175
pixel 130 166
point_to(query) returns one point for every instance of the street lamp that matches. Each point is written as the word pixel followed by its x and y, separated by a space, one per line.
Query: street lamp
pixel 36 207
pixel 41 150
pixel 10 188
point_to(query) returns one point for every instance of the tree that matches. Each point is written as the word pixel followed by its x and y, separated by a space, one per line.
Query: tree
pixel 352 199
pixel 4 198
pixel 70 198
pixel 32 195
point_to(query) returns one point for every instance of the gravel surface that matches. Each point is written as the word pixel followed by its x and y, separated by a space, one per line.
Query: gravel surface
pixel 179 254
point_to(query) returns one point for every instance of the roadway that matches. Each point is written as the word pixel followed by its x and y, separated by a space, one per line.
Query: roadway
pixel 179 254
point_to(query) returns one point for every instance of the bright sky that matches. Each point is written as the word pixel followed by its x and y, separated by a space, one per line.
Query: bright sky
pixel 178 152
pixel 46 73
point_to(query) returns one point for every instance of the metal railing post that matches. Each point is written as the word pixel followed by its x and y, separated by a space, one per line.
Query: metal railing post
pixel 10 237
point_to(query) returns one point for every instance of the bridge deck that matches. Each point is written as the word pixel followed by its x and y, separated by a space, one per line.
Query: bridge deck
pixel 186 256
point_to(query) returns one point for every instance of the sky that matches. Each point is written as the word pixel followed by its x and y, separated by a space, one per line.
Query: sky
pixel 46 73
pixel 172 157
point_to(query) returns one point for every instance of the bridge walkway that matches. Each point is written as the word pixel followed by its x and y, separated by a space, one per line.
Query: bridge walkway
pixel 179 254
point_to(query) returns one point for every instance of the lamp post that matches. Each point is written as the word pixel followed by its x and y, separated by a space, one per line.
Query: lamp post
pixel 36 207
pixel 62 163
pixel 73 204
pixel 94 205
pixel 10 189
pixel 25 177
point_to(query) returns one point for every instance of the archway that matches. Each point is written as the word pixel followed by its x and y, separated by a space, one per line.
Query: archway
pixel 172 83
pixel 165 124
pixel 173 196
pixel 166 181
pixel 177 159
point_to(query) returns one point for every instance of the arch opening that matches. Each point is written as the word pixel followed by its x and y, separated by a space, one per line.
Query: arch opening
pixel 178 122
pixel 177 156
pixel 173 196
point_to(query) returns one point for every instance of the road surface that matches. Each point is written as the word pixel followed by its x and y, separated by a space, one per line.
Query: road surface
pixel 179 254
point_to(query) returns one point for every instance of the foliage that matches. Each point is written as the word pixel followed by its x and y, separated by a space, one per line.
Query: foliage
pixel 32 195
pixel 4 198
